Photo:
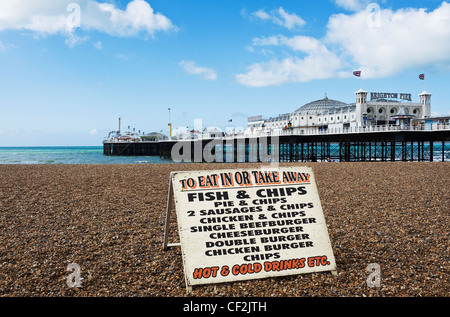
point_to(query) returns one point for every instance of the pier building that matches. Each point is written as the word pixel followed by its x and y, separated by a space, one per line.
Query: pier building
pixel 329 115
pixel 376 127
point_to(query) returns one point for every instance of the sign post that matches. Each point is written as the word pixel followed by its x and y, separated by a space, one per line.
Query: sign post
pixel 245 224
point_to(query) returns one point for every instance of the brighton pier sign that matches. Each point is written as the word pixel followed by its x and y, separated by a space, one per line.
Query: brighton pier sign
pixel 248 224
pixel 390 95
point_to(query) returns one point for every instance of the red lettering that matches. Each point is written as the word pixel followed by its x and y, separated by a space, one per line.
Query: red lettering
pixel 318 261
pixel 246 268
pixel 206 272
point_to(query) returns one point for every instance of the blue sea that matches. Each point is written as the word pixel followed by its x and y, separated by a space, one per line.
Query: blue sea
pixel 94 155
pixel 70 155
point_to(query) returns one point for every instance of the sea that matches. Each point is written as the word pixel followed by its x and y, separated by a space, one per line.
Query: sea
pixel 70 155
pixel 94 155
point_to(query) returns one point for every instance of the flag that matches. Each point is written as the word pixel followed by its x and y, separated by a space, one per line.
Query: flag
pixel 422 76
pixel 357 73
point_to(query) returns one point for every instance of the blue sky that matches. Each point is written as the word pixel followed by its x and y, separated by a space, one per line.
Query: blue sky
pixel 69 69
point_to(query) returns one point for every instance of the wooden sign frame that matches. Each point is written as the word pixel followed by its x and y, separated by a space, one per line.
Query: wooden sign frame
pixel 300 225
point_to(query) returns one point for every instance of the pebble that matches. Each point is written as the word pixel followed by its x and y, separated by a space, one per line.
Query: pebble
pixel 109 219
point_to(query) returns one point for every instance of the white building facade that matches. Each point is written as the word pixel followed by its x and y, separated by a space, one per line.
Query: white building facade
pixel 333 116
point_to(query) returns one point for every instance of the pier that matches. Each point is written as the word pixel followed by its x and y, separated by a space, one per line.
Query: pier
pixel 383 145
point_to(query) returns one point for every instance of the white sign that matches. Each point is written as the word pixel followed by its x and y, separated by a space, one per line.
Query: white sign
pixel 388 95
pixel 249 224
pixel 255 118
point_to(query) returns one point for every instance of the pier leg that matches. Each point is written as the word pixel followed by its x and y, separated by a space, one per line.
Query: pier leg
pixel 302 156
pixel 431 151
pixel 443 151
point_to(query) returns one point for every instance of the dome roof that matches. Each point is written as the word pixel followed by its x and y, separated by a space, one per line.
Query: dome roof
pixel 322 106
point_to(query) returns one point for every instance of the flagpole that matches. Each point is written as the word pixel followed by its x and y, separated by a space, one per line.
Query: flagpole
pixel 359 74
pixel 361 79
pixel 422 77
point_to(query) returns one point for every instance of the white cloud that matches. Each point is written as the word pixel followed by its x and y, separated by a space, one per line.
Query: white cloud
pixel 51 17
pixel 280 17
pixel 297 43
pixel 138 17
pixel 319 63
pixel 123 56
pixel 4 47
pixel 261 14
pixel 315 62
pixel 352 5
pixel 206 73
pixel 73 39
pixel 400 40
pixel 93 131
pixel 98 45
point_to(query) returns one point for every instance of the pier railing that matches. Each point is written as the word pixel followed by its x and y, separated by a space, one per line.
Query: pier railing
pixel 298 132
pixel 372 143
pixel 318 131
pixel 369 129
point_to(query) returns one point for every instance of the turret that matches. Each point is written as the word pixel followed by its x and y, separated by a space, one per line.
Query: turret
pixel 425 101
pixel 361 100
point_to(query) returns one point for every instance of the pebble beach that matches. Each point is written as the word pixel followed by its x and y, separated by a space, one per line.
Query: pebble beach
pixel 109 219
